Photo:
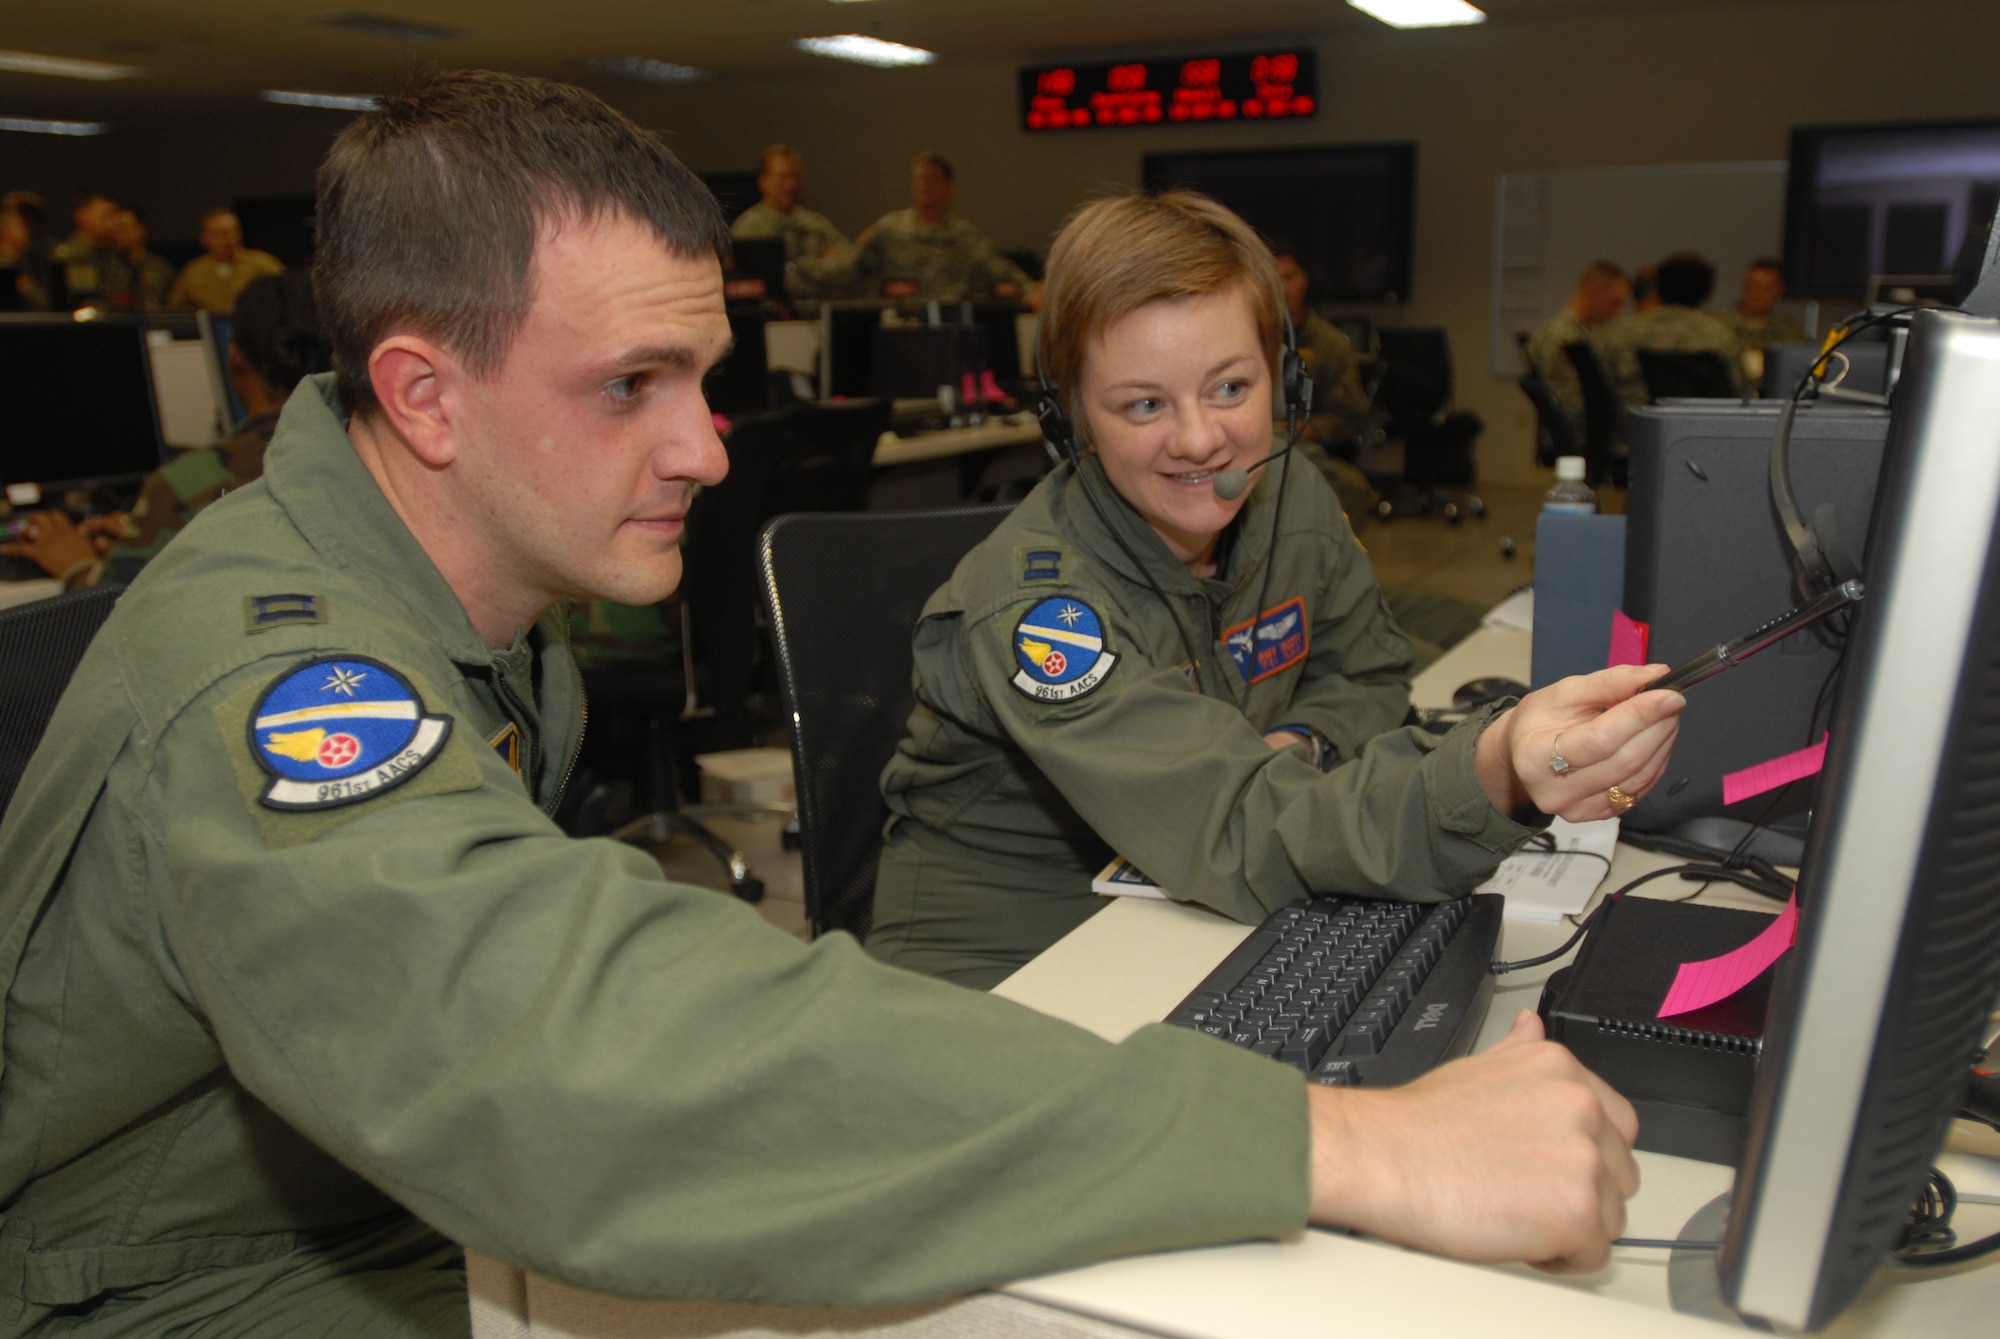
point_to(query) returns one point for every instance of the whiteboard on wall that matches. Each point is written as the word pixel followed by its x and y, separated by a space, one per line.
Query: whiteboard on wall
pixel 1548 225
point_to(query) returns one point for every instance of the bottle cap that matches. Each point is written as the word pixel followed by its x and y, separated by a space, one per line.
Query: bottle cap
pixel 1569 469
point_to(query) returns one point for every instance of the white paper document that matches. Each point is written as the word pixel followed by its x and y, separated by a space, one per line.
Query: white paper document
pixel 1516 612
pixel 1122 878
pixel 1546 886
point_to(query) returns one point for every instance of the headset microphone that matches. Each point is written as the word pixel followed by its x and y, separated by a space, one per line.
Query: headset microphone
pixel 1233 482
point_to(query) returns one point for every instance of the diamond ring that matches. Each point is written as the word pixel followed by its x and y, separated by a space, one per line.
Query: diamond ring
pixel 1557 763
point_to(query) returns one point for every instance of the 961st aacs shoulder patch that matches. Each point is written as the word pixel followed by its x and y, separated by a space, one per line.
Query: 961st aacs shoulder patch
pixel 1059 651
pixel 340 729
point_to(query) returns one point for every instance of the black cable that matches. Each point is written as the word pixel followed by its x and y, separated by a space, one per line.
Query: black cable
pixel 1502 968
pixel 1666 1244
pixel 1927 1240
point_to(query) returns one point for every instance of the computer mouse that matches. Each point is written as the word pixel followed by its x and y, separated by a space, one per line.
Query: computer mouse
pixel 1477 693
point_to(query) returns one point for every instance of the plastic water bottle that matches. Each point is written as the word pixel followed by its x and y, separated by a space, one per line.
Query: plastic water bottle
pixel 1571 496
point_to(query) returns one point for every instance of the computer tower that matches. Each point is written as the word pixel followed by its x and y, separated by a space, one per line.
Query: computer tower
pixel 1706 561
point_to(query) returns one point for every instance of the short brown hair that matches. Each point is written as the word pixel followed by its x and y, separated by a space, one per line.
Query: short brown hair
pixel 778 151
pixel 1115 256
pixel 430 205
pixel 1602 272
pixel 938 161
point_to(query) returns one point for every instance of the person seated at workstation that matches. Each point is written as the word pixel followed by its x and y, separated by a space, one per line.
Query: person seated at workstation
pixel 152 273
pixel 1146 658
pixel 927 252
pixel 211 282
pixel 1676 325
pixel 314 991
pixel 817 264
pixel 1339 419
pixel 1601 291
pixel 24 262
pixel 1755 319
pixel 94 272
pixel 276 342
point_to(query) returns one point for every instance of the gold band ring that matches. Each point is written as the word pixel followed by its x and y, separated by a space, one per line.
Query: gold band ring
pixel 1620 801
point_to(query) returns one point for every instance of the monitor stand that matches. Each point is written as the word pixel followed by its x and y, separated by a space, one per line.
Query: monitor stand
pixel 1693 1285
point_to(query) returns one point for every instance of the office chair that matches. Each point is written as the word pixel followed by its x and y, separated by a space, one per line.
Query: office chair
pixel 1555 434
pixel 806 457
pixel 1673 374
pixel 1603 416
pixel 842 593
pixel 1415 395
pixel 40 647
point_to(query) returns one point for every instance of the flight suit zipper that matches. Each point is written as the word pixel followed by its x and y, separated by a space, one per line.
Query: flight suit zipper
pixel 582 729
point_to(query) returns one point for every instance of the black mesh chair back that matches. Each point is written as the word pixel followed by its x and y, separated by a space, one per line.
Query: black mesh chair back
pixel 40 646
pixel 1686 374
pixel 800 458
pixel 1416 380
pixel 1602 414
pixel 843 593
pixel 1555 435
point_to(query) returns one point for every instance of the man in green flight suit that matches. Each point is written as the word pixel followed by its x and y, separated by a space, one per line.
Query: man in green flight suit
pixel 303 988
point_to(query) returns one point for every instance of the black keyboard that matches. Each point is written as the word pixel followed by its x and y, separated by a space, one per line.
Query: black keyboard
pixel 1355 992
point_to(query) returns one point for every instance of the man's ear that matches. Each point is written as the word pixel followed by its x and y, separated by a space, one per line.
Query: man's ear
pixel 415 384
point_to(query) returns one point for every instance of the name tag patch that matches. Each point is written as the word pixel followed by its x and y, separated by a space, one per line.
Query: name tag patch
pixel 1059 651
pixel 341 729
pixel 1271 643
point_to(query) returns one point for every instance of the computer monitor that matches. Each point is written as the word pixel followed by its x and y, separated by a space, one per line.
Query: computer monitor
pixel 846 348
pixel 910 362
pixel 1706 561
pixel 1878 1012
pixel 742 383
pixel 79 397
pixel 215 345
pixel 757 269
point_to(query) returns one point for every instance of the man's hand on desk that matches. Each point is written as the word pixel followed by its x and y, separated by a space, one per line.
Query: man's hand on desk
pixel 1518 1153
pixel 1563 749
pixel 58 544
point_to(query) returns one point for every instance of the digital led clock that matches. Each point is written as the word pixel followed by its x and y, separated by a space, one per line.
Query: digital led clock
pixel 1268 86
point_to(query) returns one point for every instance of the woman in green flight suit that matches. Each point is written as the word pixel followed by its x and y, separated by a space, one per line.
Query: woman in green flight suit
pixel 1144 659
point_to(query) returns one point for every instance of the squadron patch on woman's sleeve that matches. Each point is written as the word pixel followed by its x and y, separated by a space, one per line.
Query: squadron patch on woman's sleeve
pixel 341 729
pixel 1059 648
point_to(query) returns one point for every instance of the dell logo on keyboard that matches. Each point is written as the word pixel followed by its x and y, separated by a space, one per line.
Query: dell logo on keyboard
pixel 1433 1015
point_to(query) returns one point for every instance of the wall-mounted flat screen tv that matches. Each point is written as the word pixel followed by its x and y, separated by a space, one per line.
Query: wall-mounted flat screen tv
pixel 1348 209
pixel 1898 199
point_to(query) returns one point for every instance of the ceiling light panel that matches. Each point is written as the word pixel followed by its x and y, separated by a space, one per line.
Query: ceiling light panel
pixel 62 67
pixel 340 102
pixel 648 71
pixel 866 50
pixel 388 25
pixel 1421 13
pixel 31 126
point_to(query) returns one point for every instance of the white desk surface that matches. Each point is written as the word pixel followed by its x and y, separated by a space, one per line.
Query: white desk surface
pixel 1015 430
pixel 1134 961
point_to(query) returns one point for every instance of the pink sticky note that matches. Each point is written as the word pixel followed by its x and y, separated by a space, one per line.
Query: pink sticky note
pixel 1775 773
pixel 1628 640
pixel 1700 984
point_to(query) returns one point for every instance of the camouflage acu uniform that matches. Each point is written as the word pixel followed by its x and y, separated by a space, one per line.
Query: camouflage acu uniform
pixel 1761 332
pixel 176 491
pixel 1668 328
pixel 92 274
pixel 806 234
pixel 152 279
pixel 948 261
pixel 1545 351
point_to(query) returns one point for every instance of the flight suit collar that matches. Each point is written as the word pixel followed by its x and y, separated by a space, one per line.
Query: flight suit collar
pixel 317 477
pixel 1245 548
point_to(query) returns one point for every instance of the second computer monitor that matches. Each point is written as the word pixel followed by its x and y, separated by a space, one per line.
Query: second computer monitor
pixel 79 402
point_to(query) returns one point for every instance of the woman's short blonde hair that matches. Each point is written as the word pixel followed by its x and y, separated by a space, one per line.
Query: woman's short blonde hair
pixel 1114 256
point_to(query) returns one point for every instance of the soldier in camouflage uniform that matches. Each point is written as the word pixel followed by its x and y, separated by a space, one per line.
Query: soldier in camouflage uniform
pixel 1755 320
pixel 817 259
pixel 927 252
pixel 1600 295
pixel 1676 325
pixel 93 271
